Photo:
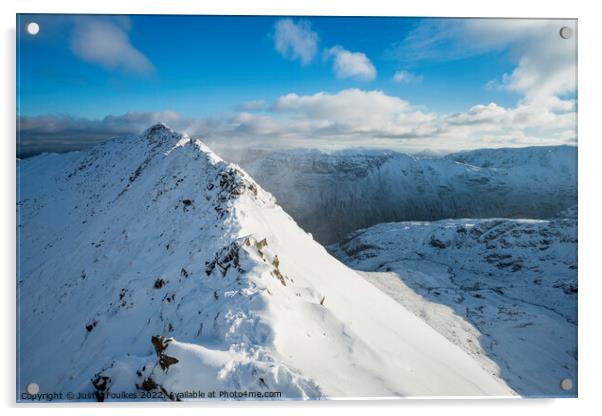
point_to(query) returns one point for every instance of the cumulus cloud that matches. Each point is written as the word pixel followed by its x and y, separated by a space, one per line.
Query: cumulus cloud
pixel 105 42
pixel 63 132
pixel 348 64
pixel 524 124
pixel 545 63
pixel 405 77
pixel 296 41
pixel 544 75
pixel 354 112
pixel 351 117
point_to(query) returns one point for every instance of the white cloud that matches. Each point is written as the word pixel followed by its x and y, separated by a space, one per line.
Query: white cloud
pixel 545 63
pixel 348 64
pixel 296 41
pixel 105 42
pixel 355 117
pixel 544 75
pixel 62 132
pixel 351 117
pixel 405 77
pixel 480 115
pixel 354 111
pixel 525 124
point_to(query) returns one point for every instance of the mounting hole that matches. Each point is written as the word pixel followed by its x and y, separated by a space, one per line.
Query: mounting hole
pixel 566 32
pixel 32 388
pixel 33 28
pixel 566 384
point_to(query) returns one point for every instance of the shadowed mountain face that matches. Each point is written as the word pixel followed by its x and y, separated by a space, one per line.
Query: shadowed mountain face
pixel 332 194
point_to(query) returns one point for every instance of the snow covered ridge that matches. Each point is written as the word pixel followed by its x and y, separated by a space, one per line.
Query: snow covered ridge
pixel 333 193
pixel 503 290
pixel 148 268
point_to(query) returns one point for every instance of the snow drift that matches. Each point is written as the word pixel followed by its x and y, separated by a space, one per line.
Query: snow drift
pixel 147 265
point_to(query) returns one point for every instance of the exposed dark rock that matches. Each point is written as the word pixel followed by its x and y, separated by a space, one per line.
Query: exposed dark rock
pixel 91 326
pixel 226 258
pixel 567 287
pixel 261 244
pixel 435 242
pixel 166 361
pixel 149 384
pixel 101 383
pixel 160 343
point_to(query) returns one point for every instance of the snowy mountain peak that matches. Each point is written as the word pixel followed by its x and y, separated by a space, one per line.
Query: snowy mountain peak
pixel 158 129
pixel 162 137
pixel 138 243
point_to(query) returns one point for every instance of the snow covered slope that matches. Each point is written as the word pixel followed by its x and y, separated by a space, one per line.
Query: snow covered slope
pixel 333 193
pixel 148 265
pixel 503 290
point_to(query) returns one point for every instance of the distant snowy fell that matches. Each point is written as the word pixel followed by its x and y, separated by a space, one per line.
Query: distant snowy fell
pixel 331 194
pixel 503 290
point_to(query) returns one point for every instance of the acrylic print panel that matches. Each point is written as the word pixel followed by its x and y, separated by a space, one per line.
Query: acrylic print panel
pixel 271 208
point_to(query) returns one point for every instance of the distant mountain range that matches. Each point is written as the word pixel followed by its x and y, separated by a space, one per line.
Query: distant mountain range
pixel 331 194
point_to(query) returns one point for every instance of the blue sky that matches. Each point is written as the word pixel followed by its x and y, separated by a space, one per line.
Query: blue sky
pixel 205 64
pixel 202 69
